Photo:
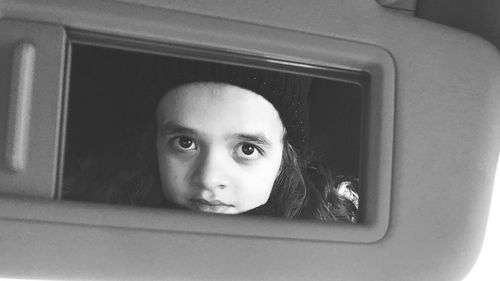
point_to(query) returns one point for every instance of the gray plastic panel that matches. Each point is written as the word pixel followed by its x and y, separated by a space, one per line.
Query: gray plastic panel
pixel 31 90
pixel 444 151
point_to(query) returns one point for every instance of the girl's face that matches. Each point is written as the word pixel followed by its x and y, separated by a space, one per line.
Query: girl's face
pixel 219 147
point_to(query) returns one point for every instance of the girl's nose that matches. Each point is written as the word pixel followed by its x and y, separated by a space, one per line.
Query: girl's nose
pixel 211 171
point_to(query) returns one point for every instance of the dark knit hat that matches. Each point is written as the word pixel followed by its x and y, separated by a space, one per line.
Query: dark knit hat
pixel 285 91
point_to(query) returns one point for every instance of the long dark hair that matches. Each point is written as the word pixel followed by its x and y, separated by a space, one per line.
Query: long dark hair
pixel 128 174
pixel 305 188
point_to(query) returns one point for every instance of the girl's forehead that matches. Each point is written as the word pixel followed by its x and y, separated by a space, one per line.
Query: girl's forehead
pixel 192 92
pixel 218 106
pixel 215 99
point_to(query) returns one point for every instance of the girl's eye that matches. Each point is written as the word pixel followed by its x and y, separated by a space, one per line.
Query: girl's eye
pixel 184 143
pixel 248 151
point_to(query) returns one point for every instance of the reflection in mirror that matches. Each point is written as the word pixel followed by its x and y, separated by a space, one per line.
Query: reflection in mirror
pixel 171 132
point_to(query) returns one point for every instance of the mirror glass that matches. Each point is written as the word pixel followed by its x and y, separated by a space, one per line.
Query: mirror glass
pixel 237 135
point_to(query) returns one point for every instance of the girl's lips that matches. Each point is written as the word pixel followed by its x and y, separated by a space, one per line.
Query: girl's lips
pixel 212 206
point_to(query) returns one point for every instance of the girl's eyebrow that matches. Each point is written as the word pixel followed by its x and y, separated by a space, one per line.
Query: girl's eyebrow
pixel 254 138
pixel 172 127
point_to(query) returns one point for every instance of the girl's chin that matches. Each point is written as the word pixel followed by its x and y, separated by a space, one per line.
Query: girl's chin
pixel 263 210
